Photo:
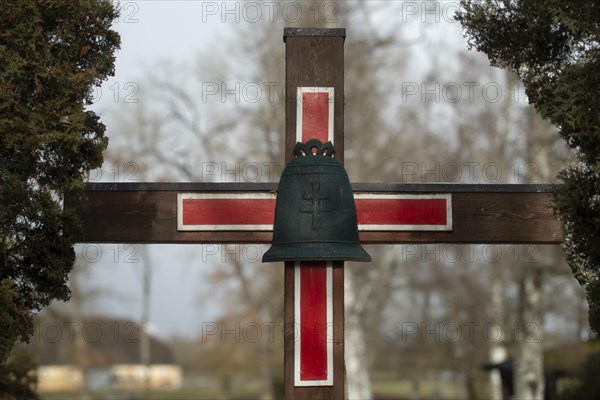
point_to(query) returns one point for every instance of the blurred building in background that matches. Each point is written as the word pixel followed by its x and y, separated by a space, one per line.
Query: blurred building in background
pixel 100 354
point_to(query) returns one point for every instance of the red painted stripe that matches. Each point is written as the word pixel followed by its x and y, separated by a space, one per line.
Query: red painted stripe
pixel 228 211
pixel 313 275
pixel 315 116
pixel 401 211
pixel 313 321
pixel 262 211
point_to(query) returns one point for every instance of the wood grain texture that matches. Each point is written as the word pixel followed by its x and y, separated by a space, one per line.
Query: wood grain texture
pixel 315 58
pixel 319 62
pixel 480 217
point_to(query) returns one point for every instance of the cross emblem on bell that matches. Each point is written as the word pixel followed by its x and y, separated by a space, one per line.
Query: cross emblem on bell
pixel 317 204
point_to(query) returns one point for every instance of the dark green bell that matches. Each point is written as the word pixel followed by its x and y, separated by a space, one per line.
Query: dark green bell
pixel 315 215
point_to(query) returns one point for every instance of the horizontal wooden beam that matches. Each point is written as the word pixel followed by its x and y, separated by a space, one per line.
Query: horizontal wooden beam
pixel 147 213
pixel 394 187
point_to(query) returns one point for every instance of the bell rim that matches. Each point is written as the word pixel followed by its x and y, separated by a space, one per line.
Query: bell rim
pixel 316 251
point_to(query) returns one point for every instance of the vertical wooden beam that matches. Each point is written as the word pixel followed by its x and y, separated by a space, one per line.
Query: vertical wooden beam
pixel 315 58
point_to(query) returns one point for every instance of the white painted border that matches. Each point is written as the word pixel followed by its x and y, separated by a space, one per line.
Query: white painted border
pixel 297 321
pixel 206 196
pixel 269 227
pixel 380 196
pixel 329 273
pixel 314 89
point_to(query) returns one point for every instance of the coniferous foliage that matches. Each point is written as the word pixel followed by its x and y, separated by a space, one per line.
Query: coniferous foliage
pixel 554 47
pixel 52 55
pixel 586 385
pixel 18 377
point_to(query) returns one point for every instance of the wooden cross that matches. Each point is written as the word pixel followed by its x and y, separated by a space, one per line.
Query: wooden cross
pixel 244 213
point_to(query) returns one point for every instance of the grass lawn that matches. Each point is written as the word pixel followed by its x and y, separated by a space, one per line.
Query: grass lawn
pixel 183 394
pixel 382 389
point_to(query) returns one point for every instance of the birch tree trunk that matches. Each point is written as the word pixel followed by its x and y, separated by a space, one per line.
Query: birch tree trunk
pixel 357 375
pixel 528 372
pixel 497 356
pixel 497 352
pixel 529 362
